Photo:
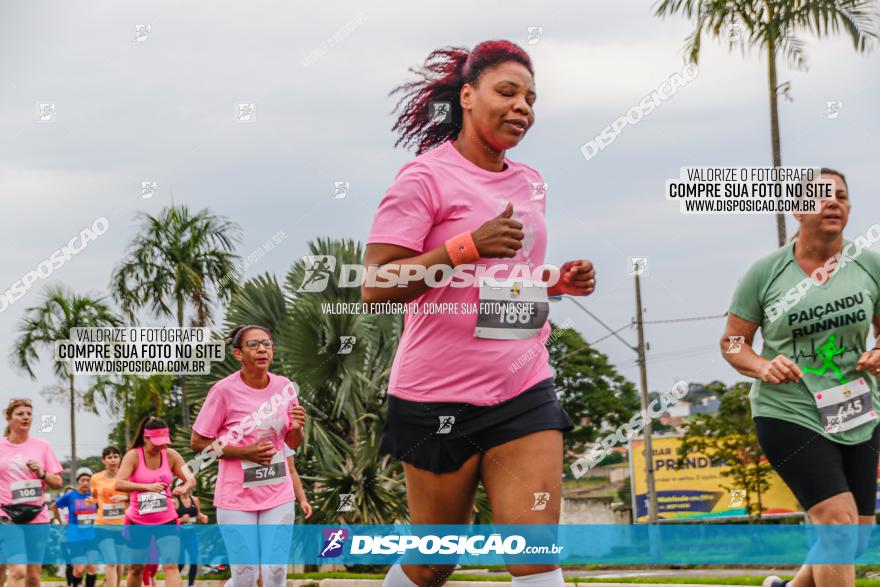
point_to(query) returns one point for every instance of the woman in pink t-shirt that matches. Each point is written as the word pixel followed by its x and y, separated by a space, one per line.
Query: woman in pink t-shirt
pixel 146 474
pixel 27 467
pixel 246 420
pixel 471 393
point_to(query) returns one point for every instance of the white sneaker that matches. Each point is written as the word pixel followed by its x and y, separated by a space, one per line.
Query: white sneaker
pixel 774 581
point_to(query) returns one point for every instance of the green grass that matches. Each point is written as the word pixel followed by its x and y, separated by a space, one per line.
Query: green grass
pixel 741 580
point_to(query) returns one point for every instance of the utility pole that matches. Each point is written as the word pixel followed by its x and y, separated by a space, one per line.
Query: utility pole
pixel 643 372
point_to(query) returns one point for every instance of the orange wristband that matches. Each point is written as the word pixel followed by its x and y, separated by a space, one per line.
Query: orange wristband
pixel 461 249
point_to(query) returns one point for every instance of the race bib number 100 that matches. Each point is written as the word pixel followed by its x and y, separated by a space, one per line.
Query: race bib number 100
pixel 846 406
pixel 26 491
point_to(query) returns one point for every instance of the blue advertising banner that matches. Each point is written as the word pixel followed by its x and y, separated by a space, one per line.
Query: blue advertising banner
pixel 717 544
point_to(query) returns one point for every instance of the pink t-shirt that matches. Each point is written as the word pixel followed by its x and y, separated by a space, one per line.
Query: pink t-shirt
pixel 245 416
pixel 435 197
pixel 151 508
pixel 16 477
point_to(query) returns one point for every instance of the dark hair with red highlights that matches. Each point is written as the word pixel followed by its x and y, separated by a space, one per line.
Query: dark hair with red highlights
pixel 442 76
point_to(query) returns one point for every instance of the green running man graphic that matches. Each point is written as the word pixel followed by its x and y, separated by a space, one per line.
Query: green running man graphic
pixel 828 351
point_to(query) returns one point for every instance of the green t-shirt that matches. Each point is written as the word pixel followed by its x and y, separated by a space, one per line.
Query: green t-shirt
pixel 843 306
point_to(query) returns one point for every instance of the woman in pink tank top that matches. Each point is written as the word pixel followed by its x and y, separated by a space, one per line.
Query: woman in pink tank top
pixel 146 473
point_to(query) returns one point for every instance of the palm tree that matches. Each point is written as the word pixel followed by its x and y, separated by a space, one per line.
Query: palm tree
pixel 343 393
pixel 129 397
pixel 52 320
pixel 178 258
pixel 770 25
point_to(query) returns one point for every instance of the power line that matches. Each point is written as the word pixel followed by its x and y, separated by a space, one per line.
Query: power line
pixel 693 319
pixel 605 326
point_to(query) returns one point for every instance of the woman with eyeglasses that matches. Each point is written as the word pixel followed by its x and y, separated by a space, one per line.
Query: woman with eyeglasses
pixel 246 419
pixel 27 467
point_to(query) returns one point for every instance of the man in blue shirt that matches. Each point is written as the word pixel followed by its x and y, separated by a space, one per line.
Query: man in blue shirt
pixel 81 513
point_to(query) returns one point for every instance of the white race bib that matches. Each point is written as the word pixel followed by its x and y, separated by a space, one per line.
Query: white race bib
pixel 846 406
pixel 256 475
pixel 86 519
pixel 26 491
pixel 152 503
pixel 511 309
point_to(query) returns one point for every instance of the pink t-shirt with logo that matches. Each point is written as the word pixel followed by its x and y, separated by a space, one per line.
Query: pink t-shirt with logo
pixel 434 197
pixel 16 475
pixel 245 416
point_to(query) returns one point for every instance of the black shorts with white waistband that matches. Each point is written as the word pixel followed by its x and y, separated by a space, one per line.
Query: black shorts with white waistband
pixel 441 436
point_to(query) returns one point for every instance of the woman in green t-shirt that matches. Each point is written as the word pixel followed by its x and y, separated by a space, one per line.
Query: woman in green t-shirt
pixel 814 399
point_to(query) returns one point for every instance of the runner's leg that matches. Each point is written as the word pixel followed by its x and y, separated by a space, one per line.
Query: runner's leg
pixel 239 545
pixel 444 498
pixel 512 474
pixel 275 543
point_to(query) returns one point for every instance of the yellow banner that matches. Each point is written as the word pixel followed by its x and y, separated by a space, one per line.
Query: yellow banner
pixel 694 491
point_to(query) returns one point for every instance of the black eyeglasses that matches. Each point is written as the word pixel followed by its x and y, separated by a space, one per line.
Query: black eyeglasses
pixel 254 344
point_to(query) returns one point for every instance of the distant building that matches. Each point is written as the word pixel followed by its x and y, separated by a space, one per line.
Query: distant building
pixel 680 409
pixel 706 405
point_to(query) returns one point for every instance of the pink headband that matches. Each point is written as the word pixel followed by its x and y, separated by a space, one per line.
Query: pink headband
pixel 157 435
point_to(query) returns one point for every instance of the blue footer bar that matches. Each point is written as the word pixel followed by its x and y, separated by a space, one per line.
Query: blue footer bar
pixel 716 544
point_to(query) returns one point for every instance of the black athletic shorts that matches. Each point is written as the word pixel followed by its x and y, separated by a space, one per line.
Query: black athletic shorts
pixel 140 539
pixel 441 436
pixel 815 468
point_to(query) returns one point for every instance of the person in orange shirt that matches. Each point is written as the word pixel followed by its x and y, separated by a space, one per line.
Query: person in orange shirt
pixel 111 515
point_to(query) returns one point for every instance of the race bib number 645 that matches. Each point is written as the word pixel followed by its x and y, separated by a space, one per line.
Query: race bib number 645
pixel 846 406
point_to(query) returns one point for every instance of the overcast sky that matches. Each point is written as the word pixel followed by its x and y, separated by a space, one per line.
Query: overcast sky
pixel 163 109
